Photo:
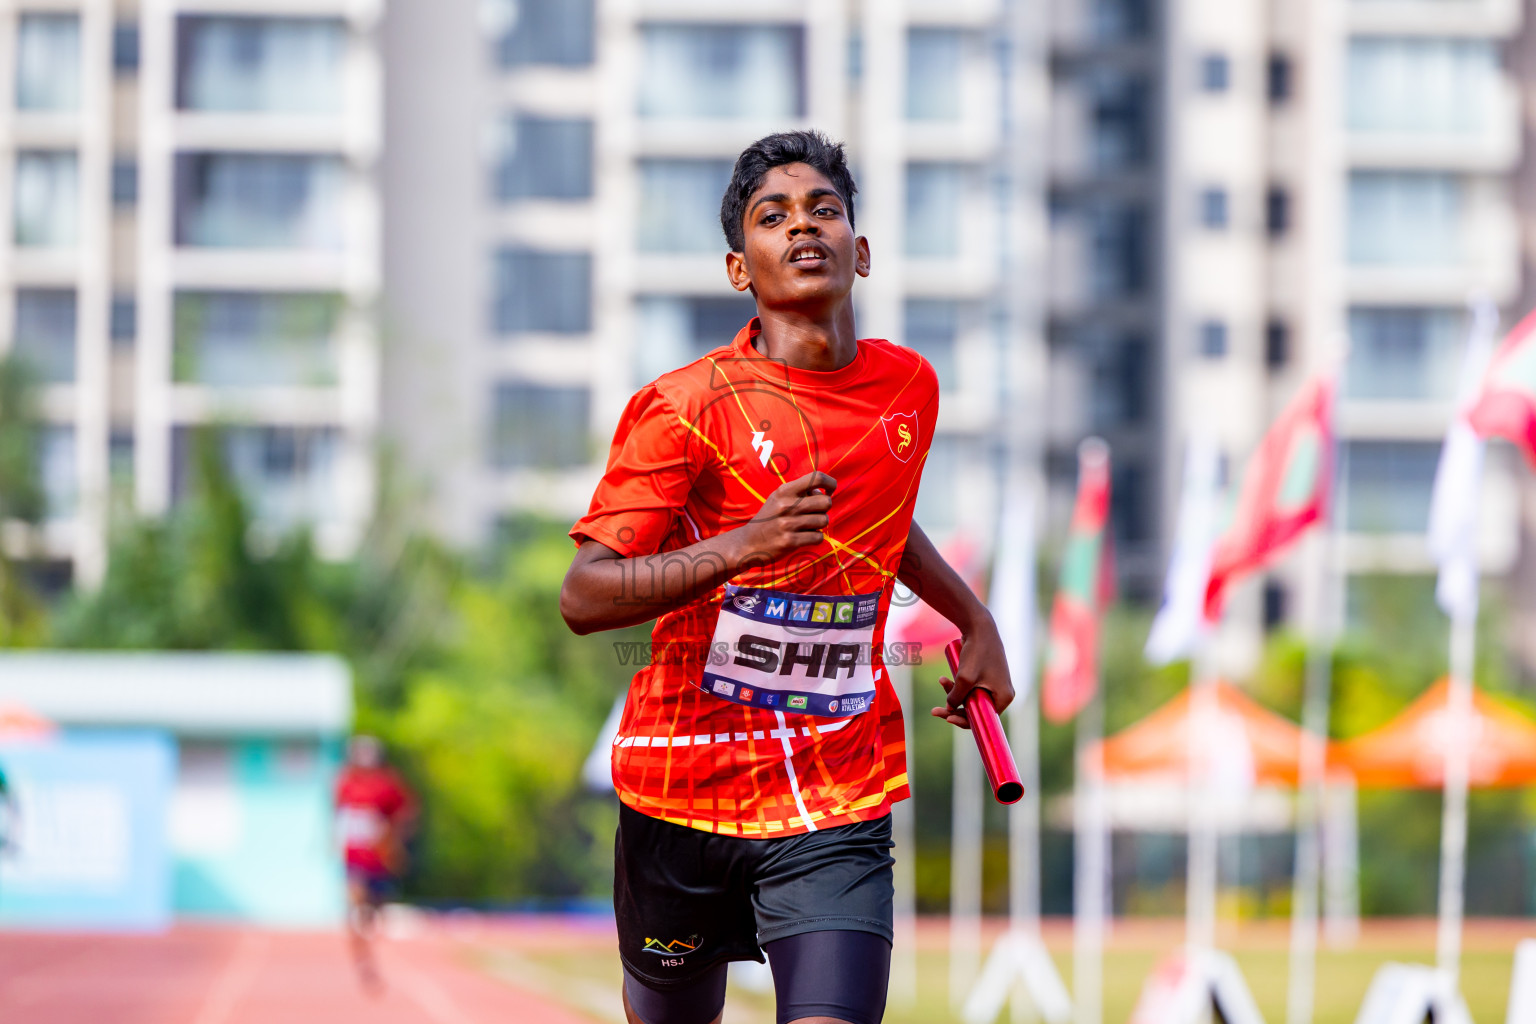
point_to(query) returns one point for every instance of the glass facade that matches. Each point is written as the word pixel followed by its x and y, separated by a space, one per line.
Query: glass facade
pixel 45 332
pixel 722 71
pixel 259 201
pixel 1119 111
pixel 287 474
pixel 932 328
pixel 542 158
pixel 934 64
pixel 551 32
pixel 680 205
pixel 256 339
pixel 47 199
pixel 1406 84
pixel 48 62
pixel 933 210
pixel 674 330
pixel 1404 352
pixel 57 470
pixel 540 291
pixel 265 65
pixel 537 427
pixel 1388 484
pixel 1118 238
pixel 1405 218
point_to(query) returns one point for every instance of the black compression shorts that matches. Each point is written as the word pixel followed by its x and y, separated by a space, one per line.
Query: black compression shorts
pixel 838 974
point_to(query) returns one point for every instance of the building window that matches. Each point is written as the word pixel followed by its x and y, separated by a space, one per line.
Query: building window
pixel 287 474
pixel 680 205
pixel 56 470
pixel 1388 485
pixel 124 318
pixel 1215 72
pixel 1122 375
pixel 1117 20
pixel 47 199
pixel 752 72
pixel 938 506
pixel 1277 211
pixel 259 201
pixel 256 339
pixel 1276 605
pixel 1403 84
pixel 932 228
pixel 1277 344
pixel 543 158
pixel 1213 208
pixel 254 64
pixel 120 457
pixel 125 181
pixel 1279 83
pixel 932 328
pixel 1117 238
pixel 673 331
pixel 48 62
pixel 1213 339
pixel 125 47
pixel 558 32
pixel 1128 504
pixel 1404 352
pixel 934 64
pixel 538 291
pixel 1405 218
pixel 538 427
pixel 1119 119
pixel 45 332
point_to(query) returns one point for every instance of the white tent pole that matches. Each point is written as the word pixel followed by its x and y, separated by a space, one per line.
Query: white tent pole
pixel 1453 825
pixel 1200 898
pixel 965 868
pixel 1092 835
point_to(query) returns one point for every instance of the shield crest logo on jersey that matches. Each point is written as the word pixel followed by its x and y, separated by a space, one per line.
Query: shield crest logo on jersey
pixel 901 434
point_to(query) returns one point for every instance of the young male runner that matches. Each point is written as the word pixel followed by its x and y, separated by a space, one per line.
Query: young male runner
pixel 374 812
pixel 758 505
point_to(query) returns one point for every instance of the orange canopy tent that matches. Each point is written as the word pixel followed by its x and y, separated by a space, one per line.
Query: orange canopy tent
pixel 1158 745
pixel 1409 751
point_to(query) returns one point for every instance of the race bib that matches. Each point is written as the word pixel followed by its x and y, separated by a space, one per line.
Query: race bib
pixel 360 827
pixel 805 653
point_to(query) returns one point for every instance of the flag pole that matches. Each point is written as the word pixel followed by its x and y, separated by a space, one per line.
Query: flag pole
pixel 1453 825
pixel 965 867
pixel 1200 896
pixel 1324 568
pixel 904 834
pixel 1092 866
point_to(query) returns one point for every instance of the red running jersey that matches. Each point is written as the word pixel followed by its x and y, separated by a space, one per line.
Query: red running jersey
pixel 790 736
pixel 368 802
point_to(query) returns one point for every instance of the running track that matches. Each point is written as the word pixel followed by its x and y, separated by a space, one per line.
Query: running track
pixel 214 975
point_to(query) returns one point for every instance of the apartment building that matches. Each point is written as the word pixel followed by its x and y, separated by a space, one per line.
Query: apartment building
pixel 553 183
pixel 1245 194
pixel 193 240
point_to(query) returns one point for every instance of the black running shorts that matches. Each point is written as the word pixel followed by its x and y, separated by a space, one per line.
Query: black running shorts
pixel 687 900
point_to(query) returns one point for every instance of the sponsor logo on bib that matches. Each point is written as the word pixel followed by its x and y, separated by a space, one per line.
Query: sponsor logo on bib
pixel 797 701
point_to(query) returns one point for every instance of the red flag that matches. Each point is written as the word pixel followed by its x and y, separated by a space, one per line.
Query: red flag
pixel 1284 492
pixel 1072 664
pixel 1506 405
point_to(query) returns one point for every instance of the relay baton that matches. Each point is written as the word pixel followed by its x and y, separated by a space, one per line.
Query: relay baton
pixel 991 743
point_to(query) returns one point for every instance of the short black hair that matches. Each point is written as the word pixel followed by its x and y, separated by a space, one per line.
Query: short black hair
pixel 770 151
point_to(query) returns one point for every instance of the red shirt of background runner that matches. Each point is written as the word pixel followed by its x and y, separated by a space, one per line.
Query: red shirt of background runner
pixel 695 454
pixel 370 801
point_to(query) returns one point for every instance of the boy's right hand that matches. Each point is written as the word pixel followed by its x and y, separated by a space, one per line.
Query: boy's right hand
pixel 794 516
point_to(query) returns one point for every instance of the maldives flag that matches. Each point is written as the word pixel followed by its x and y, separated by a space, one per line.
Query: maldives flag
pixel 1284 492
pixel 1072 661
pixel 1506 406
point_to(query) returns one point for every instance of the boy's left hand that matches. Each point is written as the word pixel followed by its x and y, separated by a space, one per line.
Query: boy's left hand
pixel 982 665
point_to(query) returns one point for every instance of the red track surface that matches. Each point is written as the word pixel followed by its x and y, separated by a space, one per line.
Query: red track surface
pixel 210 975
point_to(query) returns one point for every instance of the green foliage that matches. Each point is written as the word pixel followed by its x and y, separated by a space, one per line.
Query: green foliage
pixel 22 502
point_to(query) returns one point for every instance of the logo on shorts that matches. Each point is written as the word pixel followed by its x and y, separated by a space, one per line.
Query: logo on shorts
pixel 798 701
pixel 723 687
pixel 676 947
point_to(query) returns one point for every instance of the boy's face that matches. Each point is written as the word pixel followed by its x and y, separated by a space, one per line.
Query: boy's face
pixel 800 250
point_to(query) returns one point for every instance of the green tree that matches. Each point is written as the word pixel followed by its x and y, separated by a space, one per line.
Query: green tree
pixel 22 503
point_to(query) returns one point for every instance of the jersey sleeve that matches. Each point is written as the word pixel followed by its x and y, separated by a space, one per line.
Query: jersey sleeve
pixel 647 481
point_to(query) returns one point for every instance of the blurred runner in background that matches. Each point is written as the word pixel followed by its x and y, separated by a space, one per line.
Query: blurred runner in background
pixel 374 814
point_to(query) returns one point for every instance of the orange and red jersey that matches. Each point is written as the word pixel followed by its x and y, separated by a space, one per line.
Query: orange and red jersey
pixel 370 802
pixel 696 453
